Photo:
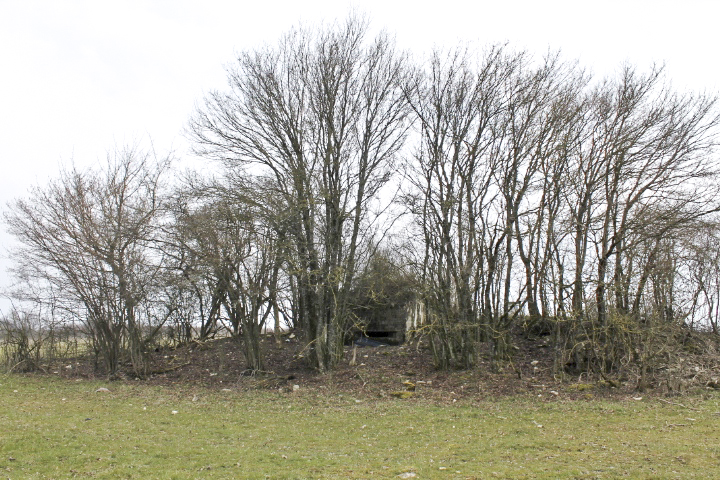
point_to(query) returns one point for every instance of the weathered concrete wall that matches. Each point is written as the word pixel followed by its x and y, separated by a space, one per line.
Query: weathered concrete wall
pixel 392 322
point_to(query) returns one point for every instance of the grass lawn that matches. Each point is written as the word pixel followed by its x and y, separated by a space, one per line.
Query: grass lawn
pixel 57 429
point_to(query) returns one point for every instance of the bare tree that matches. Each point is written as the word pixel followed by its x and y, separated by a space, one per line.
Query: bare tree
pixel 540 109
pixel 234 253
pixel 323 115
pixel 703 272
pixel 639 175
pixel 89 239
pixel 491 166
pixel 196 294
pixel 458 105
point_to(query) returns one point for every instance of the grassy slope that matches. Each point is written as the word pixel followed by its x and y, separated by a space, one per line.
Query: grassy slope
pixel 61 429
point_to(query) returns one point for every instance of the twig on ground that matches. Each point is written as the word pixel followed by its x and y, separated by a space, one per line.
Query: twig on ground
pixel 676 424
pixel 679 405
pixel 361 378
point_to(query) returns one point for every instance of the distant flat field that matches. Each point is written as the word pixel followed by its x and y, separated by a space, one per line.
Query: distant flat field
pixel 53 428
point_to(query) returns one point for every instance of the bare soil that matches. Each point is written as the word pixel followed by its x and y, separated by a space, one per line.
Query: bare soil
pixel 375 372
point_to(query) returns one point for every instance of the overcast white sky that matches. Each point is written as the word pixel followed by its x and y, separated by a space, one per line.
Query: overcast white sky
pixel 79 77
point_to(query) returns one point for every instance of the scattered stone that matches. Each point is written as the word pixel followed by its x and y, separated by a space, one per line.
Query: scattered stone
pixel 296 388
pixel 407 475
pixel 102 390
pixel 174 412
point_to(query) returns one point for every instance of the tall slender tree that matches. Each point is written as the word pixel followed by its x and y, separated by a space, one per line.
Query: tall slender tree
pixel 322 114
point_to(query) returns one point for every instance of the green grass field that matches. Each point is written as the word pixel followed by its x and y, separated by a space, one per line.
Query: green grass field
pixel 59 429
